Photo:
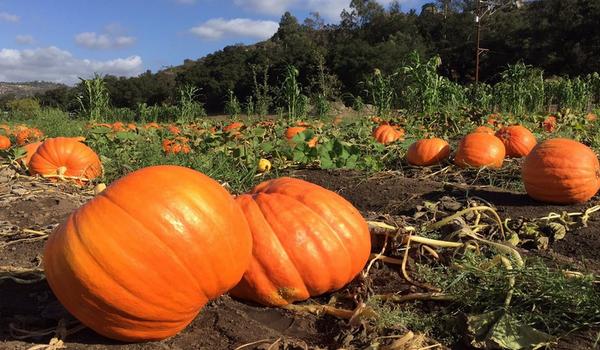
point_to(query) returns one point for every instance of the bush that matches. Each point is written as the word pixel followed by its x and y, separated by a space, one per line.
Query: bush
pixel 25 107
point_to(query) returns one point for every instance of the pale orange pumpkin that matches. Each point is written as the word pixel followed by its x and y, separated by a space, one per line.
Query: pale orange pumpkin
pixel 65 156
pixel 480 149
pixel 140 260
pixel 307 241
pixel 518 140
pixel 428 152
pixel 561 171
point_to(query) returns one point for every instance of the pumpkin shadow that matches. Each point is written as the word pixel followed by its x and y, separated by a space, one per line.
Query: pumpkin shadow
pixel 31 313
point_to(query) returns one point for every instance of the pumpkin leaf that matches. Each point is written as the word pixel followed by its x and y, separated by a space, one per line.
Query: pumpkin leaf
pixel 558 231
pixel 499 330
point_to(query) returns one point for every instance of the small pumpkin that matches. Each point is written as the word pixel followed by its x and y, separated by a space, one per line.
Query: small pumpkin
pixel 233 128
pixel 428 152
pixel 386 134
pixel 295 130
pixel 517 139
pixel 480 149
pixel 484 129
pixel 4 142
pixel 561 171
pixel 24 136
pixel 140 260
pixel 65 156
pixel 549 124
pixel 307 241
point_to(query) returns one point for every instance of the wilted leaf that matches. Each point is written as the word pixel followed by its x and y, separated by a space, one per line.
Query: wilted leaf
pixel 499 330
pixel 557 230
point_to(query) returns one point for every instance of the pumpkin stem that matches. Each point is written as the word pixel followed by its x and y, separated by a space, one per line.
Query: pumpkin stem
pixel 61 170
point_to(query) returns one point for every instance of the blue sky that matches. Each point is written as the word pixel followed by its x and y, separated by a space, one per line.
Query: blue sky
pixel 59 40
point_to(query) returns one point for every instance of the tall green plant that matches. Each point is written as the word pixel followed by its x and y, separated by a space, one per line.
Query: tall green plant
pixel 521 90
pixel 421 85
pixel 188 106
pixel 94 102
pixel 381 92
pixel 262 90
pixel 291 90
pixel 232 106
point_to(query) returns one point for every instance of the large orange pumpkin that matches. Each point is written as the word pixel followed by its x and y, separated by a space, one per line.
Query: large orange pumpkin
pixel 387 134
pixel 561 171
pixel 480 149
pixel 307 241
pixel 518 140
pixel 4 142
pixel 141 259
pixel 65 156
pixel 428 152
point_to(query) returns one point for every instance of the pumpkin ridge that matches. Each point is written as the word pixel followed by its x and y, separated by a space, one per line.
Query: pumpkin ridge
pixel 113 309
pixel 278 290
pixel 179 261
pixel 339 241
pixel 325 253
pixel 291 260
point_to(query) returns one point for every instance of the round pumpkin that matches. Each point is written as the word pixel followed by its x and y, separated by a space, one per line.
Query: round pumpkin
pixel 139 260
pixel 518 140
pixel 428 152
pixel 480 149
pixel 561 171
pixel 4 142
pixel 65 156
pixel 484 129
pixel 307 241
pixel 386 133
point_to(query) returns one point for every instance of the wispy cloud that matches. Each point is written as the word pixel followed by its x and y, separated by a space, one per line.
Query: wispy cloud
pixel 9 17
pixel 112 37
pixel 25 40
pixel 219 28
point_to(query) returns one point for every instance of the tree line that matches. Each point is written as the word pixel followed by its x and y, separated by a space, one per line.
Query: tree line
pixel 337 61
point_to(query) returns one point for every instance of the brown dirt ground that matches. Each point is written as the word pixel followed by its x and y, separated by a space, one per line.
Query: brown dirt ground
pixel 226 323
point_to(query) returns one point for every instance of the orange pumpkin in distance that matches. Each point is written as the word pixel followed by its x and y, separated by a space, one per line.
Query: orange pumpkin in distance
pixel 428 152
pixel 65 156
pixel 484 129
pixel 561 171
pixel 295 130
pixel 480 149
pixel 518 140
pixel 140 260
pixel 4 142
pixel 386 134
pixel 307 241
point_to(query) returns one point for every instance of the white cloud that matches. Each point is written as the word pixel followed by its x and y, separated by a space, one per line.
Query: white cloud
pixel 270 7
pixel 219 28
pixel 93 40
pixel 8 17
pixel 330 9
pixel 56 65
pixel 25 40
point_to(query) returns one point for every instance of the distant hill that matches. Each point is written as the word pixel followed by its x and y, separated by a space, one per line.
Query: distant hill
pixel 26 89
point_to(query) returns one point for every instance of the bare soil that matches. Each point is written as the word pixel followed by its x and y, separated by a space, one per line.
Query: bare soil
pixel 30 314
